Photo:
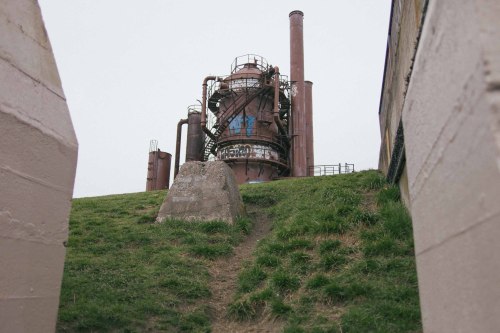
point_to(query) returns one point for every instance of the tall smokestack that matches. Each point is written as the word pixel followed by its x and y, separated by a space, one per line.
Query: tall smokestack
pixel 309 128
pixel 299 147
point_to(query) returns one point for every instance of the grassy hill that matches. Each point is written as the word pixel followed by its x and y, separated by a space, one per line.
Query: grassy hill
pixel 339 258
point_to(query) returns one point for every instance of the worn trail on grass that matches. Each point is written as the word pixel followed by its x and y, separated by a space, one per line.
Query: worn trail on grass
pixel 224 274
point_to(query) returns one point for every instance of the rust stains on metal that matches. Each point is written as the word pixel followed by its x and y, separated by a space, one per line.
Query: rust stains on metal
pixel 159 163
pixel 178 145
pixel 250 130
pixel 260 122
pixel 309 128
pixel 164 163
pixel 195 137
pixel 298 132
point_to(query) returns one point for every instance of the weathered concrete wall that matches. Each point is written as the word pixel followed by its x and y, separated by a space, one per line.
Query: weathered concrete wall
pixel 451 119
pixel 38 152
pixel 405 24
pixel 203 191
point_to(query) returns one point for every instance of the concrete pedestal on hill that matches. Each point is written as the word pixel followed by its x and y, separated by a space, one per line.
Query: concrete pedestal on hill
pixel 203 191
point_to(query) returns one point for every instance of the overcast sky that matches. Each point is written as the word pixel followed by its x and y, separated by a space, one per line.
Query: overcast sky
pixel 130 68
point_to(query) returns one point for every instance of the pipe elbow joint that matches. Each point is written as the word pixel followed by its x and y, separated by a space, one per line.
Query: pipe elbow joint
pixel 211 78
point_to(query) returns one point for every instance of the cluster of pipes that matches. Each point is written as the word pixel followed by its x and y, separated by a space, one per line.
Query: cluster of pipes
pixel 262 123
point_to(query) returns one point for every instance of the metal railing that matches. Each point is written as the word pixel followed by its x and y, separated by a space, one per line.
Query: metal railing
pixel 332 169
pixel 240 62
pixel 194 108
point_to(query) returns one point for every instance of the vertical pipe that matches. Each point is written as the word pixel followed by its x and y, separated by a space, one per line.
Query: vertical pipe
pixel 195 137
pixel 204 105
pixel 299 162
pixel 178 145
pixel 309 128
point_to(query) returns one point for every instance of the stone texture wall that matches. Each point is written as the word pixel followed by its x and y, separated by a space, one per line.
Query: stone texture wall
pixel 38 152
pixel 451 121
pixel 203 191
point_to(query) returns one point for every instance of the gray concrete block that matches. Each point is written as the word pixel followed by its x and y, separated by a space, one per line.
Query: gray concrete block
pixel 203 191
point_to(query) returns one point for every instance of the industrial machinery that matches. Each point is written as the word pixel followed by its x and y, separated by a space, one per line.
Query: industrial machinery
pixel 255 119
pixel 195 137
pixel 250 111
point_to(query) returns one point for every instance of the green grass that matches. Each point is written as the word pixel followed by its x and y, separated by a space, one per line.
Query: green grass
pixel 125 273
pixel 341 243
pixel 339 258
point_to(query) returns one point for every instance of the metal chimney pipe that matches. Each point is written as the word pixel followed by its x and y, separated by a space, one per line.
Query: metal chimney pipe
pixel 298 133
pixel 309 128
pixel 178 145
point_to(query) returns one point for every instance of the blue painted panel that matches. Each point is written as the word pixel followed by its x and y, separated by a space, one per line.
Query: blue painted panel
pixel 235 125
pixel 250 121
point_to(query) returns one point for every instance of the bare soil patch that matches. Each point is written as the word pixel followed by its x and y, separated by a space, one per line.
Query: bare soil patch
pixel 224 274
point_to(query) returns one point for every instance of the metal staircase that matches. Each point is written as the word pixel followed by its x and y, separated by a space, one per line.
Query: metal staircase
pixel 225 118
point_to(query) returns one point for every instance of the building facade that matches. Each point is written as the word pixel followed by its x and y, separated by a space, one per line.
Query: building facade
pixel 440 128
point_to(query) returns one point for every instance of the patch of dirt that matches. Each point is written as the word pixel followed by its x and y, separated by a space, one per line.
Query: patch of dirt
pixel 369 202
pixel 224 274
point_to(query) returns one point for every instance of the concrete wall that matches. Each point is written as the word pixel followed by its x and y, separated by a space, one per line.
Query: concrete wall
pixel 451 121
pixel 404 28
pixel 38 152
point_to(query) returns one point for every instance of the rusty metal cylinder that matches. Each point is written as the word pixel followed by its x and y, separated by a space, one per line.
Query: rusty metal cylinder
pixel 195 137
pixel 159 163
pixel 298 133
pixel 163 175
pixel 309 128
pixel 252 141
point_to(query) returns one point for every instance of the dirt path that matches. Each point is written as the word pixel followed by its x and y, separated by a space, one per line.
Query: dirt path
pixel 224 274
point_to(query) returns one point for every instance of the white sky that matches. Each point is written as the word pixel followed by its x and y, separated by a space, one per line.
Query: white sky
pixel 130 69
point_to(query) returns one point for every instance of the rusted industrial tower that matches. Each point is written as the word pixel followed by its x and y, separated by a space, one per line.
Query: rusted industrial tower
pixel 302 127
pixel 248 120
pixel 250 126
pixel 195 138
